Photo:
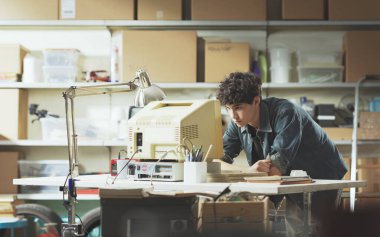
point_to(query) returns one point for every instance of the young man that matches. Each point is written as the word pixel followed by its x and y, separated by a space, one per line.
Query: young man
pixel 277 137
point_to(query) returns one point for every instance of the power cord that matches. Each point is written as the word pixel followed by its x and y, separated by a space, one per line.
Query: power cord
pixel 161 158
pixel 126 164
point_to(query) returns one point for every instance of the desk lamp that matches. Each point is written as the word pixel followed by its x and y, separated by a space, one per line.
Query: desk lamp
pixel 146 93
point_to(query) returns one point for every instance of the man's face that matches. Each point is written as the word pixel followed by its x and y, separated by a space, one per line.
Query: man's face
pixel 243 114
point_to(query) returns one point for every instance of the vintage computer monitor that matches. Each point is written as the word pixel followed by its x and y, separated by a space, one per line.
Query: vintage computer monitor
pixel 163 125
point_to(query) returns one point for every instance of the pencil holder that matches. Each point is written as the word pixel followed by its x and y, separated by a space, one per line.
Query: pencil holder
pixel 195 172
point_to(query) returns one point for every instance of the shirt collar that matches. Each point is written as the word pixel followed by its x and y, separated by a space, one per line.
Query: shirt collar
pixel 264 120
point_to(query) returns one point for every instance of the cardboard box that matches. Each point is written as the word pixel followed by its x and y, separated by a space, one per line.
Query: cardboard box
pixel 159 10
pixel 237 228
pixel 368 134
pixel 303 9
pixel 228 9
pixel 8 171
pixel 246 211
pixel 354 10
pixel 28 10
pixel 97 9
pixel 339 133
pixel 369 169
pixel 167 56
pixel 220 59
pixel 234 216
pixel 14 105
pixel 362 53
pixel 11 58
pixel 370 120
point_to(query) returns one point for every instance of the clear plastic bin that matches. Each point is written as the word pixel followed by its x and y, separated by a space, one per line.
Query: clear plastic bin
pixel 319 59
pixel 42 168
pixel 61 57
pixel 320 75
pixel 60 74
pixel 54 129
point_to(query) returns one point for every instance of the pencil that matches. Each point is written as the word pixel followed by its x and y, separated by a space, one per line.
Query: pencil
pixel 208 152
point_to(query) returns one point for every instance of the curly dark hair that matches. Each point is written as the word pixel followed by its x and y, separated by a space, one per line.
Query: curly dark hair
pixel 239 87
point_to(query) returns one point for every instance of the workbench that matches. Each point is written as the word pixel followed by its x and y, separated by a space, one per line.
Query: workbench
pixel 105 182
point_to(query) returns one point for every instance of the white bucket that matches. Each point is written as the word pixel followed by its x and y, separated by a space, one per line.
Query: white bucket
pixel 280 74
pixel 280 57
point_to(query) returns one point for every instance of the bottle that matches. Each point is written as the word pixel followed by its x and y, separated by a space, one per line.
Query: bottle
pixel 115 76
pixel 263 67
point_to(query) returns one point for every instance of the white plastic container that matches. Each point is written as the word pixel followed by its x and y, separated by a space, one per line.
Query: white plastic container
pixel 32 69
pixel 65 74
pixel 42 168
pixel 61 57
pixel 320 75
pixel 54 129
pixel 319 59
pixel 280 74
pixel 280 57
pixel 195 172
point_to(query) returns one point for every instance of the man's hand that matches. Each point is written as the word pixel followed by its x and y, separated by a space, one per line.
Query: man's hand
pixel 261 166
pixel 273 170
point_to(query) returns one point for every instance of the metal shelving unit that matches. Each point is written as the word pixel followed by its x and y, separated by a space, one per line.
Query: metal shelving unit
pixel 111 25
pixel 43 143
pixel 195 85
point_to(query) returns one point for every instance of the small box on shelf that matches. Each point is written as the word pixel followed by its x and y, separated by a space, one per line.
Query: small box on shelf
pixel 97 10
pixel 159 10
pixel 29 10
pixel 228 10
pixel 303 10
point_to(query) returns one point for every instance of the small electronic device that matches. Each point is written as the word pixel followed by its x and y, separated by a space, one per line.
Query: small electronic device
pixel 143 170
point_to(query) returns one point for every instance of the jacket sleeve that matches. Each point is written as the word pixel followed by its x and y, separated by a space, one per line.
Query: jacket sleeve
pixel 231 143
pixel 288 127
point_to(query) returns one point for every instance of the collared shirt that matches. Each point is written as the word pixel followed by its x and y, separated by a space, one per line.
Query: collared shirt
pixel 291 137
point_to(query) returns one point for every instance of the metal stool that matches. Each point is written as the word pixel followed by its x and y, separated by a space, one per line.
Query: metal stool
pixel 12 223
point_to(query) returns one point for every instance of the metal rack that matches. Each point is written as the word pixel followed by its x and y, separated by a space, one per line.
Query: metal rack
pixel 354 151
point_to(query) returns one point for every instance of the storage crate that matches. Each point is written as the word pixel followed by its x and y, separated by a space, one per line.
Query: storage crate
pixel 234 217
pixel 60 74
pixel 61 57
pixel 42 168
pixel 86 129
pixel 319 59
pixel 320 75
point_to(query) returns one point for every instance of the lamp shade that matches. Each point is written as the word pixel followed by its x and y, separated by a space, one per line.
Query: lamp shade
pixel 148 94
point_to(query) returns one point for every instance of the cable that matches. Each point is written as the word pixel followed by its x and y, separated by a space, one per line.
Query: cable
pixel 129 160
pixel 161 158
pixel 65 204
pixel 225 191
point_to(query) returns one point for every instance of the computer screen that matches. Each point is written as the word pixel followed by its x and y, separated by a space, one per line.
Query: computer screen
pixel 163 125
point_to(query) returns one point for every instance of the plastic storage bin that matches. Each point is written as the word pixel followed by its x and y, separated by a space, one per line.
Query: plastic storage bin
pixel 280 74
pixel 60 74
pixel 320 75
pixel 280 57
pixel 61 57
pixel 54 129
pixel 319 59
pixel 42 168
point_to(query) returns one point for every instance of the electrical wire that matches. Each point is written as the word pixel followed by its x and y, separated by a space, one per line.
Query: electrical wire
pixel 129 160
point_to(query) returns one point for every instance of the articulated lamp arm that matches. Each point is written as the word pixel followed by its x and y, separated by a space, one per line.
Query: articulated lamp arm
pixel 147 93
